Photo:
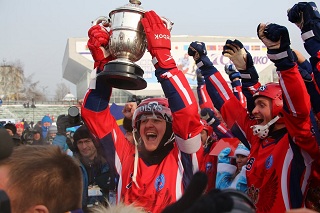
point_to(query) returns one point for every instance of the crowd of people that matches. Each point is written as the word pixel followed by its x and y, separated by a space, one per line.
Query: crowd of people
pixel 243 147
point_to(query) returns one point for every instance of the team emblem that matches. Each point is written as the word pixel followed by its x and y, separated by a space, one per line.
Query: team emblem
pixel 159 182
pixel 269 162
pixel 262 88
pixel 208 166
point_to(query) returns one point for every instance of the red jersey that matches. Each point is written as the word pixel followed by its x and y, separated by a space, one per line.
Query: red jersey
pixel 161 184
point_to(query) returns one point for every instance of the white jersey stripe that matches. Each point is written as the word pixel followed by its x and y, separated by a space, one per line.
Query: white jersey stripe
pixel 220 87
pixel 203 95
pixel 286 94
pixel 284 177
pixel 182 88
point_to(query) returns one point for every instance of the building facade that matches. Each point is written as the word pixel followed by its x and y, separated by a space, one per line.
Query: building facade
pixel 77 64
pixel 11 82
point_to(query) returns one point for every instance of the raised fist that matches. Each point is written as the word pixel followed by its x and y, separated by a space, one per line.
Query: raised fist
pixel 158 39
pixel 305 15
pixel 274 36
pixel 239 56
pixel 223 156
pixel 198 51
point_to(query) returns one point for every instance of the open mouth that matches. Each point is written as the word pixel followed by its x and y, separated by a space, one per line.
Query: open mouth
pixel 151 135
pixel 259 120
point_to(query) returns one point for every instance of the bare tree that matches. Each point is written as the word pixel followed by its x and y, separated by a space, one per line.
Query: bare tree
pixel 31 89
pixel 61 91
pixel 15 86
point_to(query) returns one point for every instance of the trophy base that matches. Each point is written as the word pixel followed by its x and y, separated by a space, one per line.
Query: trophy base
pixel 122 75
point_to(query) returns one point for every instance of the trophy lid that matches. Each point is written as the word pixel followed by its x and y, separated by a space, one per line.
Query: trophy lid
pixel 133 5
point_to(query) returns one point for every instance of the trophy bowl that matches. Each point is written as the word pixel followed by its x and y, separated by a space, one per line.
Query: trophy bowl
pixel 127 44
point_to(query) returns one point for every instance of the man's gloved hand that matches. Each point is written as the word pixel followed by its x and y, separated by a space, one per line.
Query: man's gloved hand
pixel 200 78
pixel 98 46
pixel 277 40
pixel 307 17
pixel 158 38
pixel 208 115
pixel 223 156
pixel 199 53
pixel 62 124
pixel 239 56
pixel 232 71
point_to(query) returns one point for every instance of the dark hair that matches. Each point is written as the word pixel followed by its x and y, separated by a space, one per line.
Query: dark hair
pixel 12 127
pixel 127 124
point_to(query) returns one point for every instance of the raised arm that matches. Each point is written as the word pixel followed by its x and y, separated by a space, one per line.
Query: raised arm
pixel 182 102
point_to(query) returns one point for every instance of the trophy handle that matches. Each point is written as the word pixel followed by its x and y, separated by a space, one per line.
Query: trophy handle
pixel 105 22
pixel 167 23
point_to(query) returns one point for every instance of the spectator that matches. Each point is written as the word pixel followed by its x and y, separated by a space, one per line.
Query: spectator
pixel 41 179
pixel 46 122
pixel 20 128
pixel 52 131
pixel 12 130
pixel 37 139
pixel 229 175
pixel 96 175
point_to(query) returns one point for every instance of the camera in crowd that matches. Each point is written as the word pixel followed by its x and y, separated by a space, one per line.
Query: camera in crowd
pixel 74 117
pixel 27 136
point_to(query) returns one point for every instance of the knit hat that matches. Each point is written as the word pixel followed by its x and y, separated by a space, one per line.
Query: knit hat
pixel 12 127
pixel 20 125
pixel 242 150
pixel 80 133
pixel 52 129
pixel 46 118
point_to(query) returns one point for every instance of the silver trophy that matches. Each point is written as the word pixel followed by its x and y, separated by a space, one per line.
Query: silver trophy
pixel 127 44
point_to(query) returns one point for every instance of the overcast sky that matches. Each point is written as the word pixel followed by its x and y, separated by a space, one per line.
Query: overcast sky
pixel 35 32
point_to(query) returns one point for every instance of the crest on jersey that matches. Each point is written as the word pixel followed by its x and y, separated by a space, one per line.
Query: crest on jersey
pixel 269 162
pixel 159 182
pixel 262 88
pixel 208 166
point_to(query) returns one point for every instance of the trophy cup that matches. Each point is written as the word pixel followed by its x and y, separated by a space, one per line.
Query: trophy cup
pixel 127 45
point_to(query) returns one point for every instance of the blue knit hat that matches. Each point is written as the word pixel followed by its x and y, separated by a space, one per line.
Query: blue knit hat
pixel 46 118
pixel 242 150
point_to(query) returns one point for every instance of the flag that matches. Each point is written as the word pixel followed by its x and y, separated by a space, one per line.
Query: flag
pixel 116 111
pixel 264 48
pixel 255 47
pixel 211 47
pixel 220 47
